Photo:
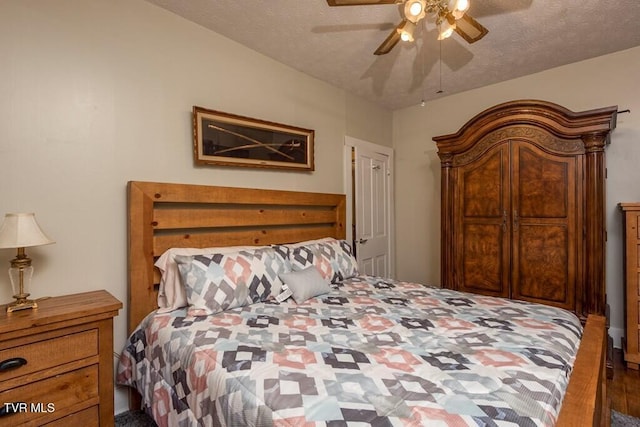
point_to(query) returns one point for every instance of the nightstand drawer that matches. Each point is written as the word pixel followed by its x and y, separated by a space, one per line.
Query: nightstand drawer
pixel 46 354
pixel 86 418
pixel 70 392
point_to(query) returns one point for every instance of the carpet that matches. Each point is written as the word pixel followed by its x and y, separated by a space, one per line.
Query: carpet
pixel 621 420
pixel 134 419
pixel 140 419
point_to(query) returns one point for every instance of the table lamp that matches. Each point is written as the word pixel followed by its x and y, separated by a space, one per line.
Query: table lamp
pixel 19 231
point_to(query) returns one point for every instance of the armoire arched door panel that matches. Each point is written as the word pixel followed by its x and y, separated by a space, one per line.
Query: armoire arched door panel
pixel 546 231
pixel 481 230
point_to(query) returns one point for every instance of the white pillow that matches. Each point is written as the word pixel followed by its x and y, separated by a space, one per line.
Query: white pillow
pixel 172 295
pixel 305 284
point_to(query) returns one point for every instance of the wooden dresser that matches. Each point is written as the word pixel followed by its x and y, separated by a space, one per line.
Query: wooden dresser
pixel 631 224
pixel 56 362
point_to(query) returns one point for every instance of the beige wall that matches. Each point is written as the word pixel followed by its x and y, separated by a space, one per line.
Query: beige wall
pixel 368 122
pixel 94 93
pixel 600 82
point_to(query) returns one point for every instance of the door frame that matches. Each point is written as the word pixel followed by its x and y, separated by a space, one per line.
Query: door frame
pixel 349 144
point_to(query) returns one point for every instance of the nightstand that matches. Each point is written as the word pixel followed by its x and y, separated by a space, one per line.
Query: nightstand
pixel 56 362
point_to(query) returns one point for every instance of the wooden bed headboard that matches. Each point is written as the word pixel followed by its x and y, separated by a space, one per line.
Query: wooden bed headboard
pixel 163 216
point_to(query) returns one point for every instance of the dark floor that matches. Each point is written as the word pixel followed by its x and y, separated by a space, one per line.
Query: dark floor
pixel 134 419
pixel 624 389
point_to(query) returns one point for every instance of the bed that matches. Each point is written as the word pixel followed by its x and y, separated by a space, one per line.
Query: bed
pixel 368 350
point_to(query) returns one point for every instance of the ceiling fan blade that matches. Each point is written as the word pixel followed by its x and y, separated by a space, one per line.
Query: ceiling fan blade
pixel 361 2
pixel 470 29
pixel 392 39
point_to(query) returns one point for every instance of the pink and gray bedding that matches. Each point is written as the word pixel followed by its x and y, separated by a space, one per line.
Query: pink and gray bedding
pixel 372 351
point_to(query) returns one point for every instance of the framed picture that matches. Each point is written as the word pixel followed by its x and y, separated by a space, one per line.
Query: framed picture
pixel 231 140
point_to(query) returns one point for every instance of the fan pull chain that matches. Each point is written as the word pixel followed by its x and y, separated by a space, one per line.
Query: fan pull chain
pixel 424 77
pixel 440 68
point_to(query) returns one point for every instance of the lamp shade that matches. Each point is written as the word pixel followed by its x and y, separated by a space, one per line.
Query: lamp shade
pixel 20 230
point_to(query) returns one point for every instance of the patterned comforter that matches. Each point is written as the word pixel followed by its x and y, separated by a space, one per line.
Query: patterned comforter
pixel 374 351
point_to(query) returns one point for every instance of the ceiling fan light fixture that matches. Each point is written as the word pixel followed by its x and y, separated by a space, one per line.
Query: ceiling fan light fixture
pixel 458 8
pixel 406 31
pixel 445 29
pixel 449 15
pixel 415 10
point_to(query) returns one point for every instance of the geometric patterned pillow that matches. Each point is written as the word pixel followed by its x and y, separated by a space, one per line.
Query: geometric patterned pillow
pixel 309 255
pixel 341 256
pixel 218 282
pixel 332 258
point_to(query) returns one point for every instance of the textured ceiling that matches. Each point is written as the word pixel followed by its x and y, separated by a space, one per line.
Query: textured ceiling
pixel 336 44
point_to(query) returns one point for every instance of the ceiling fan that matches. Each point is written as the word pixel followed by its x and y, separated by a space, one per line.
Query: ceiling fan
pixel 450 16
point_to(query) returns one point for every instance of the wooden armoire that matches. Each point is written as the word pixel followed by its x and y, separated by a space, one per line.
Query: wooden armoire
pixel 523 205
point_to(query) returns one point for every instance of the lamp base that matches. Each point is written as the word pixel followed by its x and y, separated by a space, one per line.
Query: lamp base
pixel 20 274
pixel 21 303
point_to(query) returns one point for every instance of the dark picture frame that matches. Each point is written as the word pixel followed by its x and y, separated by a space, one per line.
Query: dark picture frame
pixel 231 140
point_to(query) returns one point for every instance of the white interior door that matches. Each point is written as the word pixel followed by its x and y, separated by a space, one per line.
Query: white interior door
pixel 372 177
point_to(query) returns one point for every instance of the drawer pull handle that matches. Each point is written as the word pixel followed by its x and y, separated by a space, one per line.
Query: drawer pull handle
pixel 16 362
pixel 12 408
